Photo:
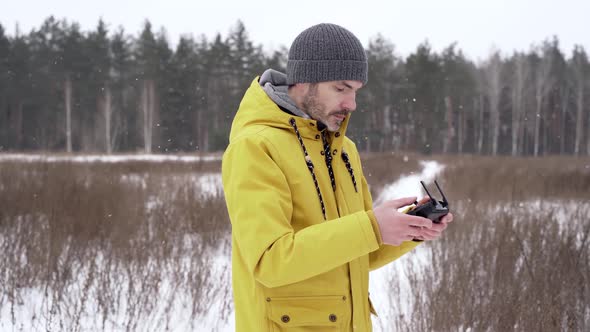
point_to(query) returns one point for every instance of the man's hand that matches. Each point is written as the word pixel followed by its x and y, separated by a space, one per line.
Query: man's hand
pixel 397 227
pixel 436 230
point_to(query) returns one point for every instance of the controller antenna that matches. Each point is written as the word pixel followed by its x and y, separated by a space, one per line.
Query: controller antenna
pixel 427 192
pixel 445 202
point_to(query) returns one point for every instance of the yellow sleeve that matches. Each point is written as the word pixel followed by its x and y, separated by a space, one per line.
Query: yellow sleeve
pixel 386 253
pixel 259 204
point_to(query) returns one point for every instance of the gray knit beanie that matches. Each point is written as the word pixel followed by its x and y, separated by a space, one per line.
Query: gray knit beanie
pixel 326 52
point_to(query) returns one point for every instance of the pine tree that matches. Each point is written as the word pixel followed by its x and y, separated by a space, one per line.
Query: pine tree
pixel 44 121
pixel 458 90
pixel 378 117
pixel 221 101
pixel 147 69
pixel 125 134
pixel 520 88
pixel 579 69
pixel 5 73
pixel 494 85
pixel 99 84
pixel 423 70
pixel 181 97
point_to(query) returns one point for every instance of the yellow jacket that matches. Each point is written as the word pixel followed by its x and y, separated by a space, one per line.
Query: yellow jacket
pixel 293 270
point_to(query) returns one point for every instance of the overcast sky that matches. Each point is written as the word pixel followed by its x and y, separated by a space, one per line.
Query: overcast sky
pixel 477 26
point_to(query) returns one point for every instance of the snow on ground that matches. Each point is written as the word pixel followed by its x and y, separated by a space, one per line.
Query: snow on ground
pixel 391 282
pixel 210 321
pixel 210 184
pixel 116 158
pixel 207 184
pixel 171 311
pixel 388 286
pixel 29 312
pixel 409 185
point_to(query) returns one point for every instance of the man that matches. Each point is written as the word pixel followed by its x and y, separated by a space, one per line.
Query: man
pixel 304 231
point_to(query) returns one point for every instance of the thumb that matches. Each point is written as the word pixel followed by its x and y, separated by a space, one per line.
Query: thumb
pixel 400 202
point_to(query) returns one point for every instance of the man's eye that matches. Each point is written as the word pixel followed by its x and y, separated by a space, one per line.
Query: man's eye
pixel 339 89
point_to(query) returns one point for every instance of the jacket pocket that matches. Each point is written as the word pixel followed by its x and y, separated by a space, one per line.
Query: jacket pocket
pixel 308 313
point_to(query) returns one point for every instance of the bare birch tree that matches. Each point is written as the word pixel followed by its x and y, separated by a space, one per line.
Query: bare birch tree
pixel 450 132
pixel 111 127
pixel 564 96
pixel 478 106
pixel 579 66
pixel 68 105
pixel 519 78
pixel 493 72
pixel 147 108
pixel 479 110
pixel 543 85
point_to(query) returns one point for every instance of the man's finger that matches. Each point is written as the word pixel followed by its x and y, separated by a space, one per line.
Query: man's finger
pixel 400 202
pixel 409 238
pixel 415 232
pixel 439 227
pixel 419 221
pixel 423 200
pixel 430 233
pixel 448 218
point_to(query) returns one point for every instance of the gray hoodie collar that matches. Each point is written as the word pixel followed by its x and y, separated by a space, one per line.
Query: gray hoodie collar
pixel 275 85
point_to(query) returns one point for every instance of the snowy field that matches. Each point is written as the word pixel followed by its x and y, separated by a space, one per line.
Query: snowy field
pixel 106 158
pixel 33 309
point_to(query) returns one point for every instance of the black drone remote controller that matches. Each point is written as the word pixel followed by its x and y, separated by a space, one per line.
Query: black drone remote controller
pixel 433 209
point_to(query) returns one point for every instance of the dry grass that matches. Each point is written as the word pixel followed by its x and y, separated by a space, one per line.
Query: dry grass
pixel 506 179
pixel 516 258
pixel 501 272
pixel 117 240
pixel 125 241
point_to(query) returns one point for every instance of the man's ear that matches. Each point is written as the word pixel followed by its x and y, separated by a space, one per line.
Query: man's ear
pixel 297 90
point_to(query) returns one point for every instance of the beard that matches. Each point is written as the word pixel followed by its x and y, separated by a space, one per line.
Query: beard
pixel 317 110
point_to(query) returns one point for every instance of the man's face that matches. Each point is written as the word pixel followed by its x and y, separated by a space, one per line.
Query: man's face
pixel 330 102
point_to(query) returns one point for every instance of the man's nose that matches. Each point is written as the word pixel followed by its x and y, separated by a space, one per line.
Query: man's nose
pixel 349 103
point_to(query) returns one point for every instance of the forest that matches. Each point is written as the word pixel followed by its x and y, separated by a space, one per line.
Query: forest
pixel 106 91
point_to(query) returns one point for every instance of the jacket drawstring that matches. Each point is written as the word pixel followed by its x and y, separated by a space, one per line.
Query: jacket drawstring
pixel 328 158
pixel 309 166
pixel 349 168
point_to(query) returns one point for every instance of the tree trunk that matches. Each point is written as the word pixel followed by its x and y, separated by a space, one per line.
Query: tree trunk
pixel 515 132
pixel 539 100
pixel 18 125
pixel 588 137
pixel 480 126
pixel 579 118
pixel 156 131
pixel 199 127
pixel 543 87
pixel 494 100
pixel 450 129
pixel 460 129
pixel 205 146
pixel 68 104
pixel 521 133
pixel 386 130
pixel 108 119
pixel 518 110
pixel 147 99
pixel 564 110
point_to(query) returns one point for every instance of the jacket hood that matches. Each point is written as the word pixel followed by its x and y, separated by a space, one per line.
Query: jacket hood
pixel 258 109
pixel 275 85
